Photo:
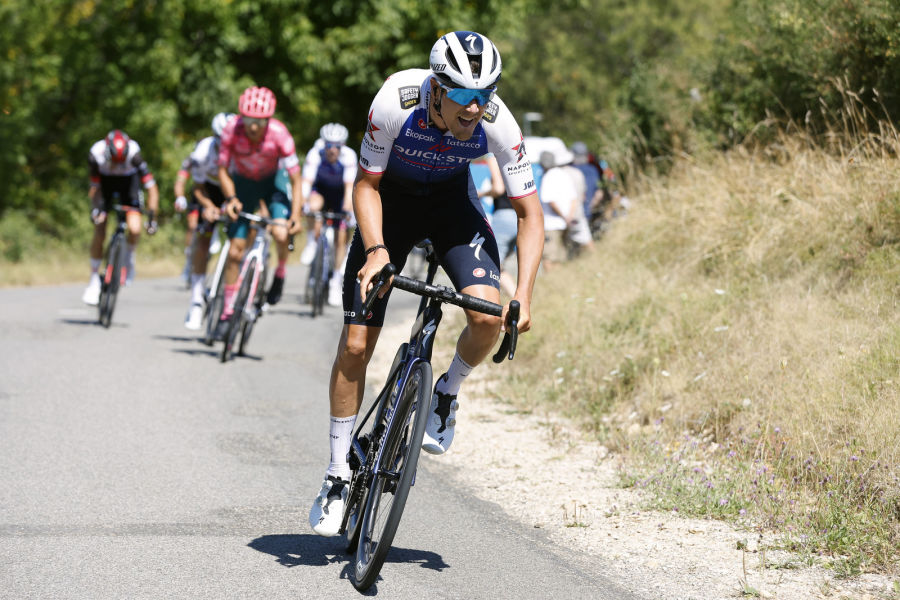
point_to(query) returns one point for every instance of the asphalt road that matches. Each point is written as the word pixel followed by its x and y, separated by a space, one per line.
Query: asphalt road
pixel 134 465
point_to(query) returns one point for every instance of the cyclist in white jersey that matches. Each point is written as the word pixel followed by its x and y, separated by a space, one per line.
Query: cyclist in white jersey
pixel 203 166
pixel 424 128
pixel 118 173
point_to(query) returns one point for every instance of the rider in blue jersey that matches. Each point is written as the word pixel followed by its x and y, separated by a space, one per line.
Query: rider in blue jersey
pixel 328 174
pixel 424 128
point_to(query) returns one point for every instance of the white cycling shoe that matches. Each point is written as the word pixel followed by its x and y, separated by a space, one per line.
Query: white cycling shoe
pixel 194 318
pixel 309 252
pixel 441 424
pixel 91 295
pixel 328 508
pixel 335 291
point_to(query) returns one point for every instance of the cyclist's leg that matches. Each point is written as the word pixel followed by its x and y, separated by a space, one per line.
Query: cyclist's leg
pixel 348 374
pixel 280 211
pixel 468 251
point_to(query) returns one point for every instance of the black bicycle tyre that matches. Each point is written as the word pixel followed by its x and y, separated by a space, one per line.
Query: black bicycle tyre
pixel 214 310
pixel 109 290
pixel 247 326
pixel 402 446
pixel 237 317
pixel 315 270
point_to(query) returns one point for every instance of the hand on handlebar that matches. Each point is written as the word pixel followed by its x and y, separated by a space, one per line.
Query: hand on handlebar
pixel 232 209
pixel 370 270
pixel 212 213
pixel 98 216
pixel 152 225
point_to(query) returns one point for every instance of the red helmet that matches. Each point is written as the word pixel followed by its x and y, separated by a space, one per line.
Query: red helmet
pixel 257 102
pixel 117 145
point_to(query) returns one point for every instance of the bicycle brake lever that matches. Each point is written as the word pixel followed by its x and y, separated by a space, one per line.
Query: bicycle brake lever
pixel 388 271
pixel 510 339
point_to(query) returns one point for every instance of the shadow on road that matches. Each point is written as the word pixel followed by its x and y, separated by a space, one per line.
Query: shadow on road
pixel 293 550
pixel 91 322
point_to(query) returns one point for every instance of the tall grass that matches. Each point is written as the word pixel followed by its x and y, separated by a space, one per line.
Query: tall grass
pixel 737 337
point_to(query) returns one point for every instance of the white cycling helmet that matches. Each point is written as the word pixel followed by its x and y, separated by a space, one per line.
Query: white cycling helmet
pixel 333 133
pixel 465 59
pixel 220 121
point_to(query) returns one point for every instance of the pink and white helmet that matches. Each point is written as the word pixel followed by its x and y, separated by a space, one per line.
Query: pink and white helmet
pixel 257 103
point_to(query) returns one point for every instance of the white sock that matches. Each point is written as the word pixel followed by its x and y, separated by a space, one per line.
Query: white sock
pixel 341 438
pixel 197 282
pixel 458 371
pixel 129 259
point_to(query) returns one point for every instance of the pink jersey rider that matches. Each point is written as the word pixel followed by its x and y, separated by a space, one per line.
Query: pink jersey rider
pixel 257 161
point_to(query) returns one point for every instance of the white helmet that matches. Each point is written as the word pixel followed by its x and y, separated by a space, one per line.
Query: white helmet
pixel 465 59
pixel 334 133
pixel 220 121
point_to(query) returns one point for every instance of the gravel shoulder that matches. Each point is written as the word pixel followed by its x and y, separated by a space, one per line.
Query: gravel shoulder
pixel 542 472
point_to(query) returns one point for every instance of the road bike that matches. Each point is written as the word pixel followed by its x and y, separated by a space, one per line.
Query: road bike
pixel 386 444
pixel 250 300
pixel 115 271
pixel 322 267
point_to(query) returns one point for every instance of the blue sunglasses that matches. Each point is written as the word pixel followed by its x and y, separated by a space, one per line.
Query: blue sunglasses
pixel 465 96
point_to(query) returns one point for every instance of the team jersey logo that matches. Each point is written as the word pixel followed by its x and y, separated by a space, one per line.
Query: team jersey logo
pixel 409 96
pixel 490 113
pixel 422 124
pixel 370 128
pixel 520 149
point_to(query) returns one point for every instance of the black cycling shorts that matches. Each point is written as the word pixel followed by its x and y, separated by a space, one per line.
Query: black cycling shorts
pixel 121 189
pixel 451 216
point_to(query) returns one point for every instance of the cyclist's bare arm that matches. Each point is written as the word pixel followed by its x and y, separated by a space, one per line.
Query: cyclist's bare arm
pixel 296 202
pixel 529 247
pixel 233 204
pixel 367 206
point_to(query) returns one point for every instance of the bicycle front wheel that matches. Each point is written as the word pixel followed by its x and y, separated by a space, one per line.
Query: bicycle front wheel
pixel 256 310
pixel 113 276
pixel 237 317
pixel 390 484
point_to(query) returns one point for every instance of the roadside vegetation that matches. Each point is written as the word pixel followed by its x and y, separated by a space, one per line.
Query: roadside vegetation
pixel 737 338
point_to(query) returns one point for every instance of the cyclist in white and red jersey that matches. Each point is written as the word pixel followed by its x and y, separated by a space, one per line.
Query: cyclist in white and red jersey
pixel 202 165
pixel 118 172
pixel 328 174
pixel 425 127
pixel 252 146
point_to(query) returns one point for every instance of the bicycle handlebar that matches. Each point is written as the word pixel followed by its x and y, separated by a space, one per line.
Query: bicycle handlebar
pixel 444 294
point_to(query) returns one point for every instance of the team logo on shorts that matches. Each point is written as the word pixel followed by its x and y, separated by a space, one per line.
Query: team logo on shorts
pixel 479 272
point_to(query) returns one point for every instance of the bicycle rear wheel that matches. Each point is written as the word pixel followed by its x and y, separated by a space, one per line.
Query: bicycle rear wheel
pixel 389 488
pixel 237 317
pixel 113 275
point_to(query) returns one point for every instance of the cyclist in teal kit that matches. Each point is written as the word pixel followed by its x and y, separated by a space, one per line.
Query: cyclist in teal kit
pixel 424 128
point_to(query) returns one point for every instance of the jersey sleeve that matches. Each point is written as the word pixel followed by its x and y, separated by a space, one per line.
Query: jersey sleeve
pixel 506 142
pixel 385 120
pixel 311 164
pixel 349 160
pixel 138 162
pixel 226 143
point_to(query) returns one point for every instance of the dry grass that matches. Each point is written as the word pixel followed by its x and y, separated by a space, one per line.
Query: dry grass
pixel 745 317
